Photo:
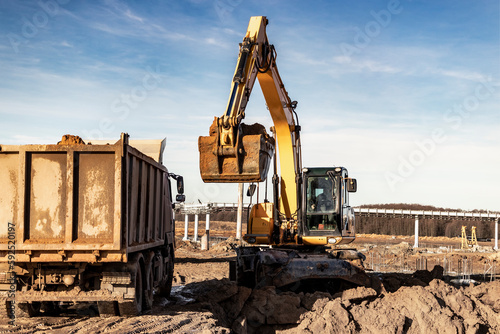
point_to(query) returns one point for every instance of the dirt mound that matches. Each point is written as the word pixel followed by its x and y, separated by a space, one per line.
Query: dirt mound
pixel 220 306
pixel 418 304
pixel 227 245
pixel 71 140
pixel 246 129
pixel 436 308
pixel 185 244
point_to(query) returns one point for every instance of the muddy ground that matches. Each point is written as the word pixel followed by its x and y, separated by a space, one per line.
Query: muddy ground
pixel 401 299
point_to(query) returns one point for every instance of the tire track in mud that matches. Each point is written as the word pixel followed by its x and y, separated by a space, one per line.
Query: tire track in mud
pixel 24 326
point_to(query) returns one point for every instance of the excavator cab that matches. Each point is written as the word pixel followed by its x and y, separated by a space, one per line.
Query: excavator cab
pixel 326 211
pixel 322 208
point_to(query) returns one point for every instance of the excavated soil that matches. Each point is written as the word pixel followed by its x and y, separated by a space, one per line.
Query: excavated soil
pixel 71 140
pixel 409 301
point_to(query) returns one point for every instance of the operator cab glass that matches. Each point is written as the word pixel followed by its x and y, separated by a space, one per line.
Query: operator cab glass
pixel 322 207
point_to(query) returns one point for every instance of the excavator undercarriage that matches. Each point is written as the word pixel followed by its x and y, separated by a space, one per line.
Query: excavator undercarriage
pixel 280 267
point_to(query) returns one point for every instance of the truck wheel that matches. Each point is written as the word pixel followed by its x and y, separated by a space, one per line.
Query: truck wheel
pixel 49 308
pixel 168 273
pixel 107 309
pixel 149 284
pixel 133 308
pixel 27 310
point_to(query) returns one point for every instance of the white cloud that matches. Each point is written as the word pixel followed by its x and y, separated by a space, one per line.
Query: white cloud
pixel 467 75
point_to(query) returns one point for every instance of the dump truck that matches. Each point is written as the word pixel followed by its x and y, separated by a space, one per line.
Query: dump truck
pixel 85 223
pixel 294 236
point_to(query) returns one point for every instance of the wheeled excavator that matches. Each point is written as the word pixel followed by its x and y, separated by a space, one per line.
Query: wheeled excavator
pixel 293 237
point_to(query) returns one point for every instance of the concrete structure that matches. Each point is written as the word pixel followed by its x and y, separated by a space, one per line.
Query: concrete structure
pixel 401 213
pixel 363 212
pixel 196 210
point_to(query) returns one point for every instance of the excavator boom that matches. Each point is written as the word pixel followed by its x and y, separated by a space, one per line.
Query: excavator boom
pixel 234 152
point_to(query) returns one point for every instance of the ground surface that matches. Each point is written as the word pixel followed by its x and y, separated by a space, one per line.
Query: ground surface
pixel 402 301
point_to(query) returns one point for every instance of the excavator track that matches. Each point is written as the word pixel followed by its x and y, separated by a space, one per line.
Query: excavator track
pixel 262 266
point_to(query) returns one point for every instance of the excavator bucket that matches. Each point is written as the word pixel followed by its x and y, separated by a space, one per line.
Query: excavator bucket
pixel 248 161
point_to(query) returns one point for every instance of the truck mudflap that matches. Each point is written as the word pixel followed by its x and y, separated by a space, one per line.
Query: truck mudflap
pixel 284 267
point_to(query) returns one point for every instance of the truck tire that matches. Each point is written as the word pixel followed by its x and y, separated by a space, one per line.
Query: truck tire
pixel 149 283
pixel 27 310
pixel 107 309
pixel 134 307
pixel 168 273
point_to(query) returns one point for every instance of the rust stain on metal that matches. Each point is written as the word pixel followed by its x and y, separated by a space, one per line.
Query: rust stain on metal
pixel 96 196
pixel 48 188
pixel 8 183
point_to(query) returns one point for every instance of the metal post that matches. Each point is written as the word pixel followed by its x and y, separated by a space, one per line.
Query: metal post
pixel 496 234
pixel 207 228
pixel 205 239
pixel 195 237
pixel 257 193
pixel 186 226
pixel 416 232
pixel 240 211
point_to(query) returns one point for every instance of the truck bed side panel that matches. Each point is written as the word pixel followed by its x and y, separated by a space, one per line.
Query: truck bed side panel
pixel 47 189
pixel 96 200
pixel 9 178
pixel 82 203
pixel 65 202
pixel 148 201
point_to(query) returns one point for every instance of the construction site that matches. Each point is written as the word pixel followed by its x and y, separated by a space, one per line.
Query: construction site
pixel 97 237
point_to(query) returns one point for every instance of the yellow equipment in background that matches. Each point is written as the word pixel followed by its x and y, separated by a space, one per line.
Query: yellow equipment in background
pixel 466 244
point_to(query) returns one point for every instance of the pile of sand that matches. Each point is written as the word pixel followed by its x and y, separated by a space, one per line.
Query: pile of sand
pixel 417 303
pixel 71 140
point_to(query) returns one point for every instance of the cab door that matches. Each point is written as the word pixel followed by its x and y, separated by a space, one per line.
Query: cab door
pixel 348 219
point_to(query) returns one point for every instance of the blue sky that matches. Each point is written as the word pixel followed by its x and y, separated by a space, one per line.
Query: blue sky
pixel 405 94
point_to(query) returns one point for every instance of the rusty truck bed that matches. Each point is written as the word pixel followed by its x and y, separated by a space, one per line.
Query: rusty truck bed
pixel 80 203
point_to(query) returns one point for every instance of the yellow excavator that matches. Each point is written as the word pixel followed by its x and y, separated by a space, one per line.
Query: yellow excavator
pixel 293 237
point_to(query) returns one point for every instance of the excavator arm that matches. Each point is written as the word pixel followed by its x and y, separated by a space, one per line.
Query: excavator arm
pixel 235 152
